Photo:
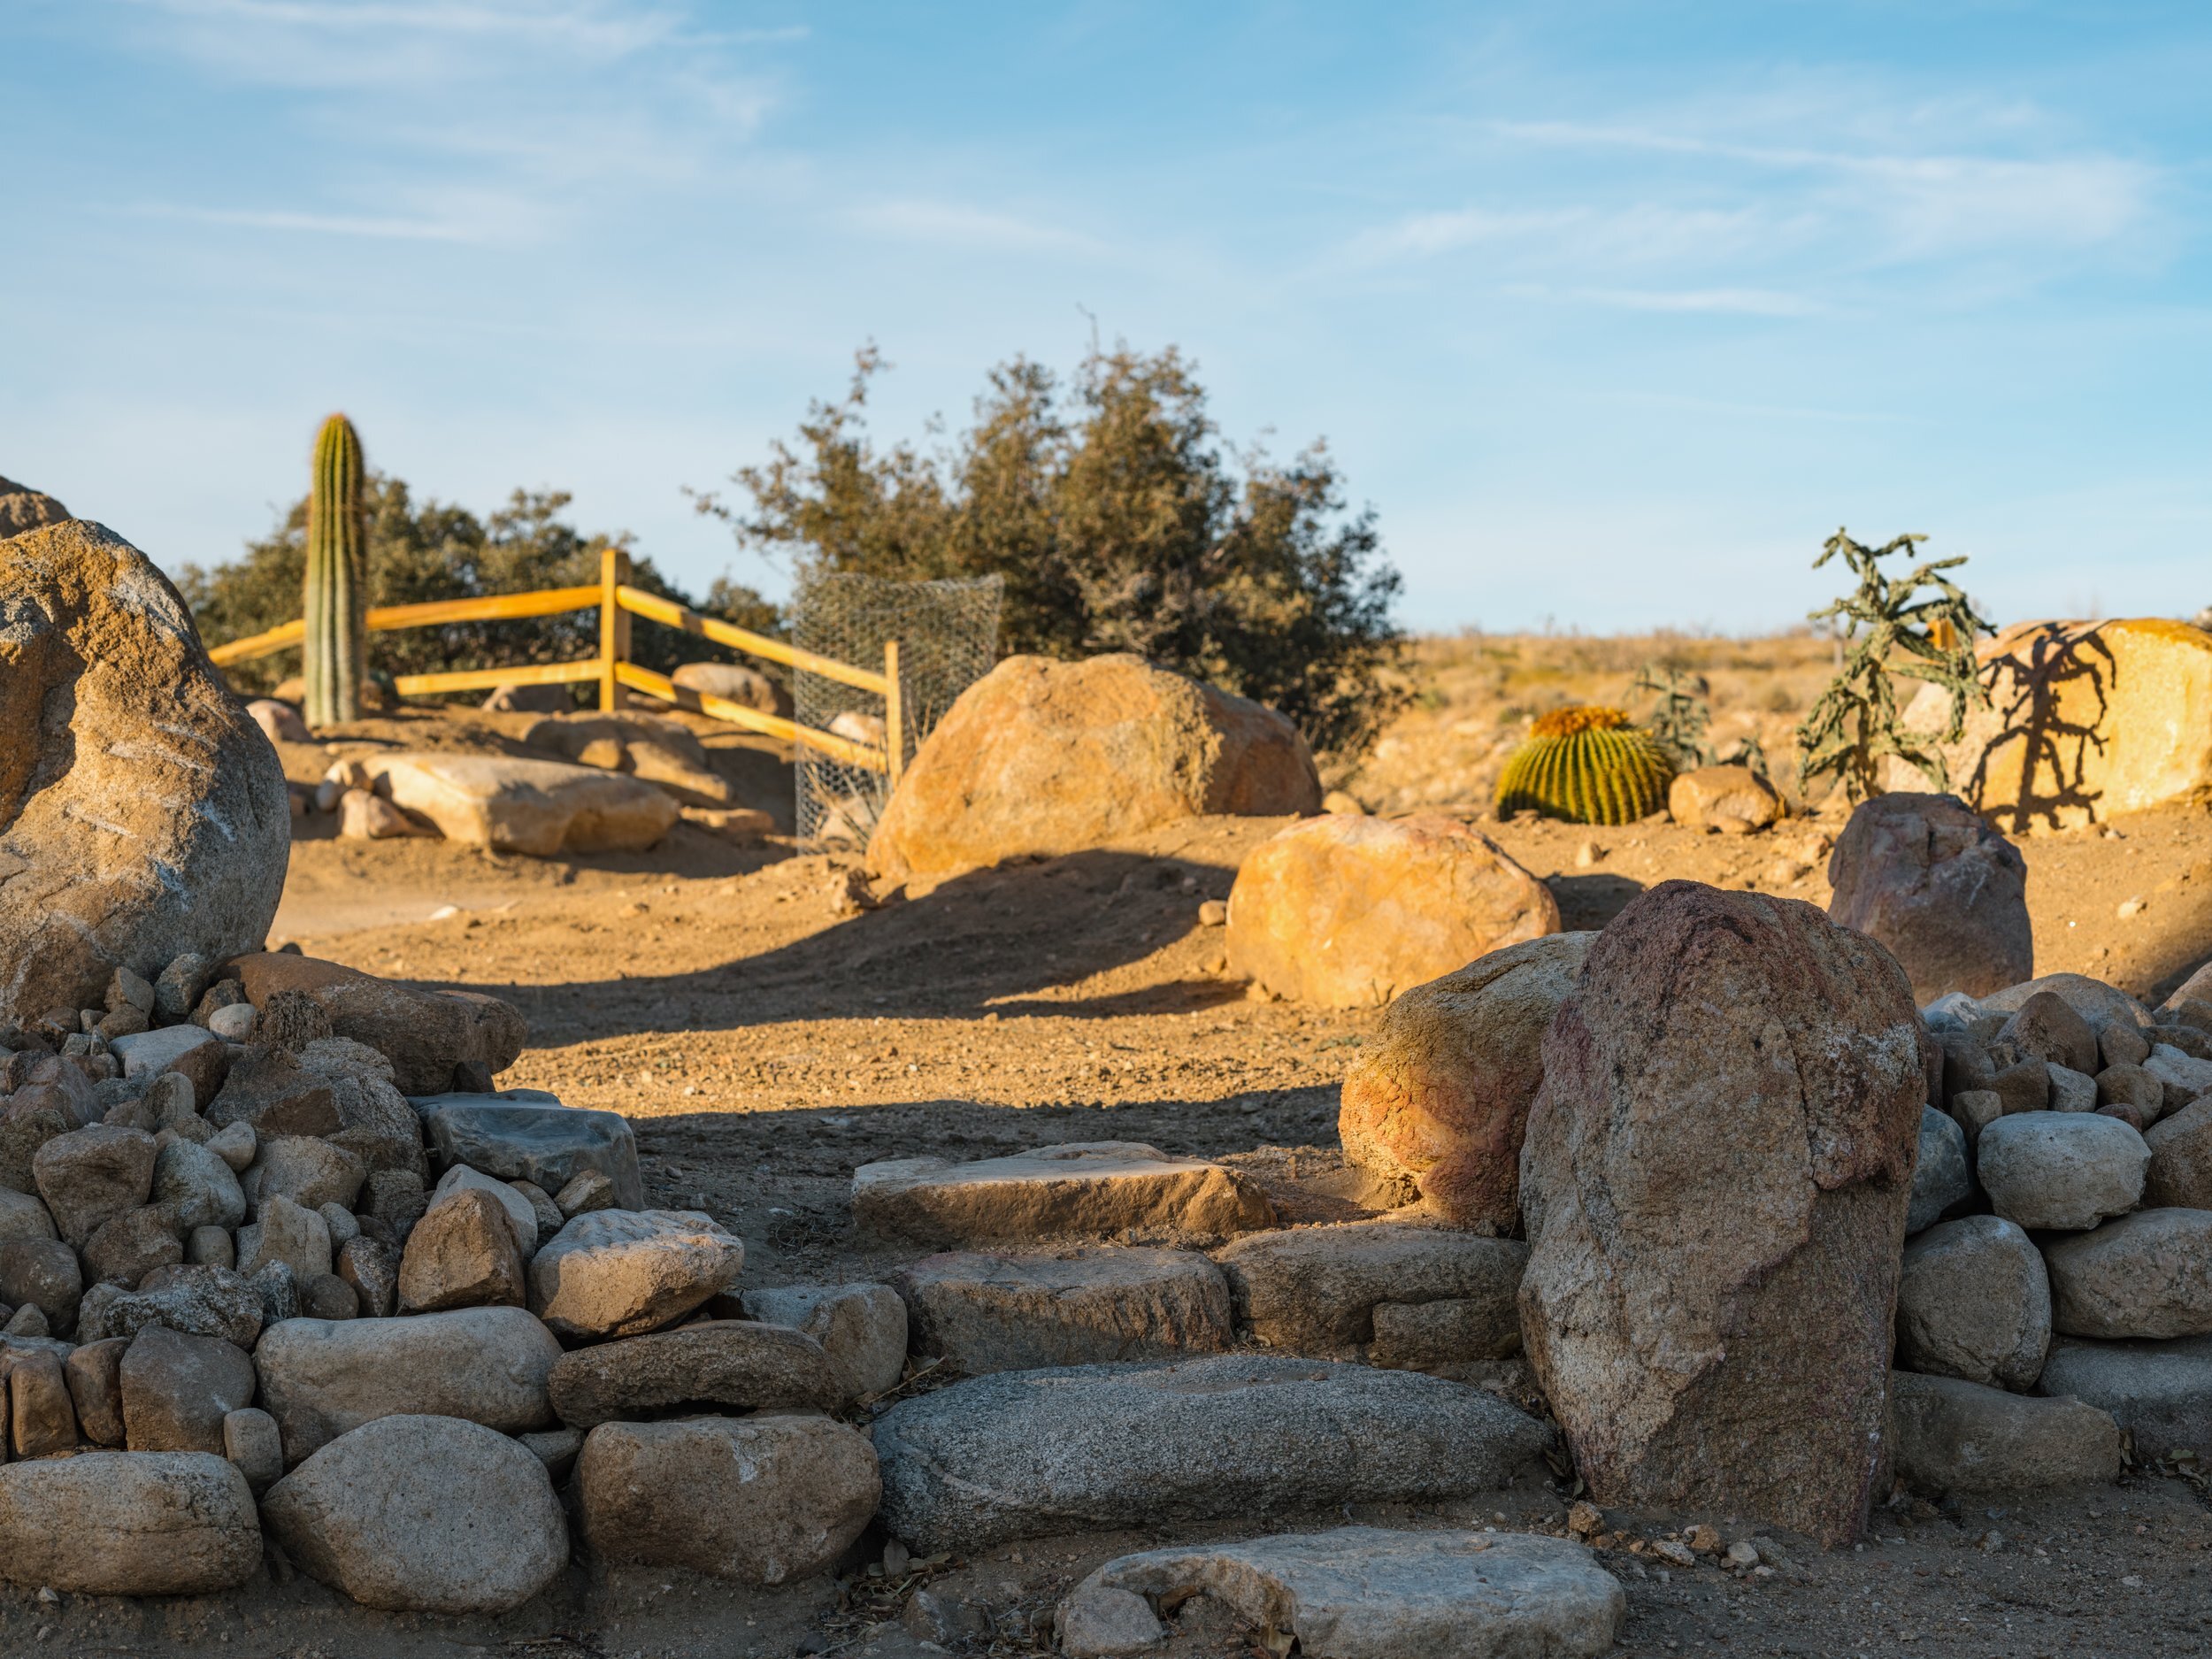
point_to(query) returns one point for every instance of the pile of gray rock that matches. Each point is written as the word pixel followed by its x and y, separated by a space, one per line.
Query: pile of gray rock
pixel 2058 1283
pixel 268 1275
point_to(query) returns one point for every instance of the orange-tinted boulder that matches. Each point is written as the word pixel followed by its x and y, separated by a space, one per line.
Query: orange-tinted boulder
pixel 2087 720
pixel 1044 757
pixel 1347 912
pixel 1436 1106
pixel 1734 800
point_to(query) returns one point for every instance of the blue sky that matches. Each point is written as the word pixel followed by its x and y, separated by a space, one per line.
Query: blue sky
pixel 1613 311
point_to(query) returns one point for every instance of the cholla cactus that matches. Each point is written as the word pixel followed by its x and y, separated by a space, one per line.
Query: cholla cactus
pixel 1896 635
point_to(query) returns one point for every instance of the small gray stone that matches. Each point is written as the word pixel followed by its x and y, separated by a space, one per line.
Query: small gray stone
pixel 177 1390
pixel 522 1216
pixel 128 1247
pixel 197 1301
pixel 211 1246
pixel 2071 1091
pixel 187 1051
pixel 1948 1436
pixel 2122 1043
pixel 197 1186
pixel 528 1135
pixel 1021 1453
pixel 279 1288
pixel 2183 1076
pixel 93 1372
pixel 1974 1302
pixel 310 1172
pixel 237 1144
pixel 2024 1085
pixel 345 1228
pixel 45 1272
pixel 556 1449
pixel 1098 1621
pixel 589 1191
pixel 268 1088
pixel 181 985
pixel 985 1311
pixel 620 1272
pixel 319 1379
pixel 734 1365
pixel 762 1499
pixel 89 1176
pixel 373 1269
pixel 232 1022
pixel 250 1441
pixel 2148 1275
pixel 2045 1028
pixel 2062 1169
pixel 286 1233
pixel 23 1217
pixel 328 1296
pixel 2125 1084
pixel 1943 1180
pixel 862 1328
pixel 2180 1173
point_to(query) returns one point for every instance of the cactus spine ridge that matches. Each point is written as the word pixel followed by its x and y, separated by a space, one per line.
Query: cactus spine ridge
pixel 336 605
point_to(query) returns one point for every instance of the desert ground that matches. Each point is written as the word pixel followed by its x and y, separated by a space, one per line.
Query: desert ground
pixel 770 1022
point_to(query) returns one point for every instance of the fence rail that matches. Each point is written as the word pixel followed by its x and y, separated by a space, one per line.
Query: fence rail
pixel 617 602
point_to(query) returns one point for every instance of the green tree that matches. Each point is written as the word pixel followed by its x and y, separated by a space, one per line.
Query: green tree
pixel 436 550
pixel 1117 522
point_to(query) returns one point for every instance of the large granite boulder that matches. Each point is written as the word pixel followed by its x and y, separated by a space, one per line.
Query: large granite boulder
pixel 1048 757
pixel 660 751
pixel 425 1035
pixel 1435 1107
pixel 128 1523
pixel 2086 720
pixel 1946 894
pixel 1347 913
pixel 143 814
pixel 1715 1182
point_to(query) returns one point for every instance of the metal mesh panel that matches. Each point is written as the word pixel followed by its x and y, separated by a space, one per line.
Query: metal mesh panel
pixel 948 636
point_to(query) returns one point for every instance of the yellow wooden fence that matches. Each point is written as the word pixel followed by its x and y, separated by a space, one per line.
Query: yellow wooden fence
pixel 617 602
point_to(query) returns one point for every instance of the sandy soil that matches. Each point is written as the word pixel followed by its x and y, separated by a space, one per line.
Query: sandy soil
pixel 768 1034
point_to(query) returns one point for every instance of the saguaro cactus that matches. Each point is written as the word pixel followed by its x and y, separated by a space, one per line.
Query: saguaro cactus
pixel 336 648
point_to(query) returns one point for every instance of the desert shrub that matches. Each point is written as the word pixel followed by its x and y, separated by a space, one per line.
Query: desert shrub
pixel 1118 524
pixel 436 550
pixel 1897 634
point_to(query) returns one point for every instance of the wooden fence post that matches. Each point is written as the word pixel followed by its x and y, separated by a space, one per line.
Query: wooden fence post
pixel 614 625
pixel 894 712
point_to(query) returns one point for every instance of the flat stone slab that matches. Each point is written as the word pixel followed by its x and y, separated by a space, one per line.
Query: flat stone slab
pixel 2161 1393
pixel 540 807
pixel 1371 1592
pixel 1088 1189
pixel 982 1311
pixel 526 1135
pixel 1022 1454
pixel 2148 1275
pixel 730 1364
pixel 1315 1290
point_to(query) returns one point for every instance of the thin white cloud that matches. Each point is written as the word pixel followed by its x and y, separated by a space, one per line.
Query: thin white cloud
pixel 959 224
pixel 1717 301
pixel 379 228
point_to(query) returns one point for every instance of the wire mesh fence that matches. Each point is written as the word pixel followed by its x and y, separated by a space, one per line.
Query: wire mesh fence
pixel 948 636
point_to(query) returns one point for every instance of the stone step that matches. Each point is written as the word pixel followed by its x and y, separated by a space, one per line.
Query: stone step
pixel 982 1312
pixel 1022 1454
pixel 1098 1189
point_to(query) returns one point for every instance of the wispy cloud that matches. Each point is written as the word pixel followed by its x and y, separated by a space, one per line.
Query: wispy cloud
pixel 1715 302
pixel 379 228
pixel 959 225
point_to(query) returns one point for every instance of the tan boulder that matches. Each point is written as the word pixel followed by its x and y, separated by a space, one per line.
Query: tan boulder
pixel 733 682
pixel 539 807
pixel 143 814
pixel 424 1034
pixel 1714 1183
pixel 128 1523
pixel 1734 800
pixel 762 1500
pixel 660 751
pixel 1347 912
pixel 23 509
pixel 366 816
pixel 1045 758
pixel 1436 1106
pixel 2088 720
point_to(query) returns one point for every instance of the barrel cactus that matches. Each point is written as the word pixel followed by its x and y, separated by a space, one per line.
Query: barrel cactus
pixel 336 647
pixel 1588 765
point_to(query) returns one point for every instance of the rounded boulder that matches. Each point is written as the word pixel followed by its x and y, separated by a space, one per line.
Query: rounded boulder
pixel 128 1523
pixel 1045 758
pixel 423 1515
pixel 1347 912
pixel 146 816
pixel 1925 876
pixel 1436 1106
